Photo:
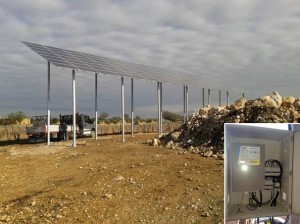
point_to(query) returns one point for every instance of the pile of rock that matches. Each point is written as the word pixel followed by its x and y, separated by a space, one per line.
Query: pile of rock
pixel 203 133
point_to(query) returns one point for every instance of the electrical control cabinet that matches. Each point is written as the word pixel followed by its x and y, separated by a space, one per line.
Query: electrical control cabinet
pixel 262 172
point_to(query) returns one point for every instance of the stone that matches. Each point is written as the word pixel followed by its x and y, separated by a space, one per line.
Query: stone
pixel 205 214
pixel 267 101
pixel 170 144
pixel 277 98
pixel 256 103
pixel 204 111
pixel 296 103
pixel 288 101
pixel 240 103
pixel 175 136
pixel 118 178
pixel 156 142
pixel 108 196
pixel 214 110
pixel 221 156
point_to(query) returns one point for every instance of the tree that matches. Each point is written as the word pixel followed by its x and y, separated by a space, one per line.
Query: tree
pixel 115 120
pixel 171 116
pixel 54 120
pixel 15 117
pixel 104 116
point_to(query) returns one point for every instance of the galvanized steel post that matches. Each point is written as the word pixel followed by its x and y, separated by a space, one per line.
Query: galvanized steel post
pixel 184 105
pixel 227 98
pixel 208 96
pixel 187 103
pixel 96 106
pixel 74 107
pixel 161 119
pixel 158 107
pixel 132 114
pixel 219 98
pixel 123 109
pixel 48 106
pixel 203 99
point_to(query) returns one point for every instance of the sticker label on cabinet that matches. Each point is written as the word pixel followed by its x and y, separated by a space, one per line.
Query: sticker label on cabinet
pixel 249 155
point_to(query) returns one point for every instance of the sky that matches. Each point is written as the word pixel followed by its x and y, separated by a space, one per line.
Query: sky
pixel 251 44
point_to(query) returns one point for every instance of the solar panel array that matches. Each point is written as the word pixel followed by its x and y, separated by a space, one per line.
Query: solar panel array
pixel 92 63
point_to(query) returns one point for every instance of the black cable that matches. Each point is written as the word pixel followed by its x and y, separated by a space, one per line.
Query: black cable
pixel 273 203
pixel 260 197
pixel 271 197
pixel 254 203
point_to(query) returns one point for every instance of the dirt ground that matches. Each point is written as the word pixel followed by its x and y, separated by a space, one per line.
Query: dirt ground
pixel 107 181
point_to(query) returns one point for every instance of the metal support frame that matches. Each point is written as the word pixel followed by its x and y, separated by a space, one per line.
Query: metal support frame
pixel 132 114
pixel 161 119
pixel 48 105
pixel 203 99
pixel 123 109
pixel 74 107
pixel 96 106
pixel 184 103
pixel 227 98
pixel 208 96
pixel 220 98
pixel 158 108
pixel 187 103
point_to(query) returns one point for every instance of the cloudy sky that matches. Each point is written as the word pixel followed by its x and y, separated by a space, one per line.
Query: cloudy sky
pixel 251 44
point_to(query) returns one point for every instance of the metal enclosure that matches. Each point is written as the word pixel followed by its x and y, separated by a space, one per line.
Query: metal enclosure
pixel 296 175
pixel 253 146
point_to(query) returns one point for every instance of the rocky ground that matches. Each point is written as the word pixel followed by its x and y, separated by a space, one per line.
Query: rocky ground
pixel 203 133
pixel 107 181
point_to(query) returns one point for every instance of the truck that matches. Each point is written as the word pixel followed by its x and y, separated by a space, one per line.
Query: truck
pixel 84 125
pixel 38 131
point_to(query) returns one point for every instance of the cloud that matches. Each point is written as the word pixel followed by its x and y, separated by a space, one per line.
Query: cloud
pixel 250 44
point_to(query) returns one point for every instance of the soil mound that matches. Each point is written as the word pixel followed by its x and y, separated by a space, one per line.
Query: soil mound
pixel 203 133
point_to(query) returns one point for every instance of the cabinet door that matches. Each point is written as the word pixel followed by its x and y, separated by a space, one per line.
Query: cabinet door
pixel 296 175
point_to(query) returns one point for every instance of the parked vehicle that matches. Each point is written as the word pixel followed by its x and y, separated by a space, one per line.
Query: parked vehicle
pixel 38 131
pixel 84 125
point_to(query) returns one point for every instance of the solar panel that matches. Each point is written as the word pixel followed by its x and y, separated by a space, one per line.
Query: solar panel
pixel 93 63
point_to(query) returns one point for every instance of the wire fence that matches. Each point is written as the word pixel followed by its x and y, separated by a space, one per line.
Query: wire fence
pixel 15 132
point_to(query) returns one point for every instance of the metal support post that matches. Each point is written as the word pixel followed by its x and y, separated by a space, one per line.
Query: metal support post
pixel 74 107
pixel 208 96
pixel 187 103
pixel 48 106
pixel 184 105
pixel 227 98
pixel 132 114
pixel 219 98
pixel 96 106
pixel 123 109
pixel 158 107
pixel 243 95
pixel 161 119
pixel 203 99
